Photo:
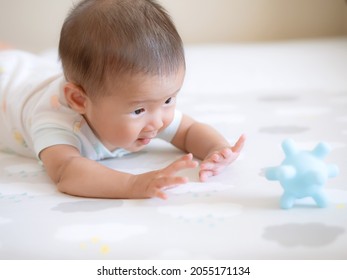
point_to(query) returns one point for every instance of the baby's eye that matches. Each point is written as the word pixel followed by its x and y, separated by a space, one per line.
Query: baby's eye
pixel 170 101
pixel 138 112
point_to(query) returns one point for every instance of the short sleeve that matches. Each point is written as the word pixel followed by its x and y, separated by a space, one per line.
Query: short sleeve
pixel 45 138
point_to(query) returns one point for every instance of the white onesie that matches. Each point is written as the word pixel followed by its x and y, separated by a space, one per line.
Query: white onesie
pixel 35 115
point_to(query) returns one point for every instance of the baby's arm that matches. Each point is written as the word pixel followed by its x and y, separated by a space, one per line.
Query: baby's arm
pixel 79 176
pixel 207 144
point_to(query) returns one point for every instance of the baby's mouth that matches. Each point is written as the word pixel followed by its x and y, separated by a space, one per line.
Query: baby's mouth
pixel 144 141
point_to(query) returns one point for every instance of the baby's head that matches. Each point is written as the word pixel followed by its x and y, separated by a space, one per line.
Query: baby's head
pixel 124 63
pixel 104 41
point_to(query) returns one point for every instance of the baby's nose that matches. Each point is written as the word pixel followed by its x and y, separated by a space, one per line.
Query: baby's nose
pixel 156 123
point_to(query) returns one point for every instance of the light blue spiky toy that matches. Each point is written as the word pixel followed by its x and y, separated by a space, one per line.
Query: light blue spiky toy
pixel 302 174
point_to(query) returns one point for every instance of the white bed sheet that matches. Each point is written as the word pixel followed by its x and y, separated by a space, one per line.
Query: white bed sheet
pixel 270 92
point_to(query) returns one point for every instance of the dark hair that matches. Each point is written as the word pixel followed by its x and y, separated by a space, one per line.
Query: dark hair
pixel 103 39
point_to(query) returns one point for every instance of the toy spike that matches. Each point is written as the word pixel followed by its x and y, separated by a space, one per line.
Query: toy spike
pixel 321 150
pixel 271 173
pixel 333 170
pixel 289 148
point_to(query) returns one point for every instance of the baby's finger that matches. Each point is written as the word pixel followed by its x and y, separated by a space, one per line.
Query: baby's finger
pixel 160 194
pixel 205 174
pixel 180 164
pixel 213 158
pixel 216 157
pixel 226 153
pixel 163 182
pixel 167 181
pixel 239 144
pixel 207 165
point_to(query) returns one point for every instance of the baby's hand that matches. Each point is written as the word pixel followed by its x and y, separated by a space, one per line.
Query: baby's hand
pixel 151 184
pixel 216 161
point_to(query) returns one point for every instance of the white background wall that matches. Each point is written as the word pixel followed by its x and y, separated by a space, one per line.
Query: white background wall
pixel 35 24
pixel 250 20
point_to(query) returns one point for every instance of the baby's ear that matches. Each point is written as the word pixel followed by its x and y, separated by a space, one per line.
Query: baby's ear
pixel 75 97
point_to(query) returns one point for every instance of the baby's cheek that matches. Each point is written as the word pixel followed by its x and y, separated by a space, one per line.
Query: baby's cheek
pixel 131 133
pixel 168 118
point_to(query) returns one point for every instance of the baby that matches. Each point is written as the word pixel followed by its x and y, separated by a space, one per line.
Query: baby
pixel 123 68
